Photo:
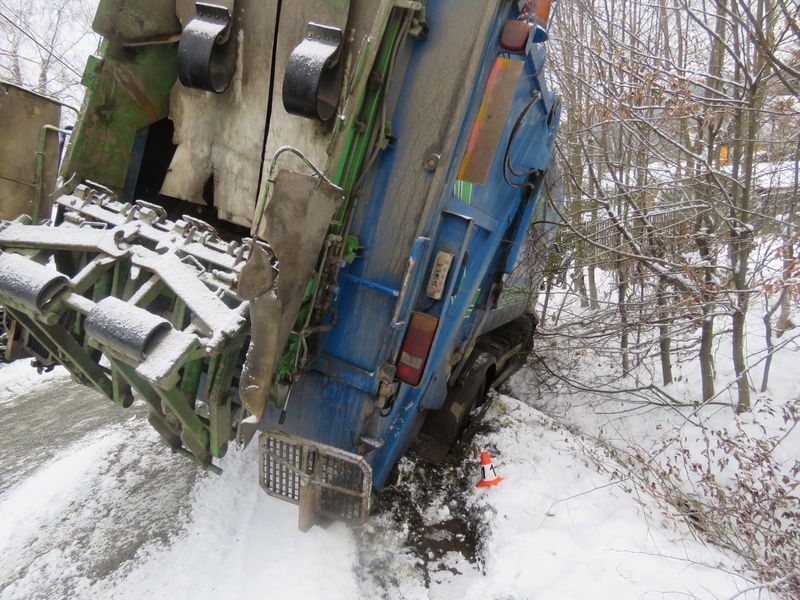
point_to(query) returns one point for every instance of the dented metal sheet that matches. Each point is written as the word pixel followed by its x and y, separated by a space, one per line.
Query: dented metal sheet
pixel 257 275
pixel 262 354
pixel 296 223
pixel 127 91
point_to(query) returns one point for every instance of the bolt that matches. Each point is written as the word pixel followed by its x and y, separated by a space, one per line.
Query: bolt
pixel 432 162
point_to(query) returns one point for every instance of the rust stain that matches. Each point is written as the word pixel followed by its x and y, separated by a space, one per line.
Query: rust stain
pixel 129 82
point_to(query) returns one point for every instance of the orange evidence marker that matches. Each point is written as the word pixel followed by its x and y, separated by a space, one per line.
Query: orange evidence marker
pixel 489 476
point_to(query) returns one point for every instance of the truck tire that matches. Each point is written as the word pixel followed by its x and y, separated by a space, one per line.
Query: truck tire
pixel 444 427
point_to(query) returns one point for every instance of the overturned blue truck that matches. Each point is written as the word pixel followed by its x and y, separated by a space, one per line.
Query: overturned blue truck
pixel 303 221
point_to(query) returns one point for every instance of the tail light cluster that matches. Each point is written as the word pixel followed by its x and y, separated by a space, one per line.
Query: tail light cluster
pixel 416 347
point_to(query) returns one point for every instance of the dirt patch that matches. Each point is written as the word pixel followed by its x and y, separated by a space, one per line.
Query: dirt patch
pixel 430 523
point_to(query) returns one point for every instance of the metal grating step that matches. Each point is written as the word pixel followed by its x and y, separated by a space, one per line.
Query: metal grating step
pixel 323 480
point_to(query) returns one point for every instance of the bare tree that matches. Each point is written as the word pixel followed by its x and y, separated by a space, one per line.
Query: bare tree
pixel 44 44
pixel 669 109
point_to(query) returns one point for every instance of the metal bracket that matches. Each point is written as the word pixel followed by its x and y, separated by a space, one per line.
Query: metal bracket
pixel 313 78
pixel 207 50
pixel 323 480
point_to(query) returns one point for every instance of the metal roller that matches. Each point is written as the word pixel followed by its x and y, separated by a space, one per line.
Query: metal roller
pixel 28 283
pixel 123 327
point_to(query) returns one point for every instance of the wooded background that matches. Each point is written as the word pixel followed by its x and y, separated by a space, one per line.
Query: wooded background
pixel 680 148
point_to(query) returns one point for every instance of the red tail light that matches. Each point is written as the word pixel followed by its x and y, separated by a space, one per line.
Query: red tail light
pixel 416 347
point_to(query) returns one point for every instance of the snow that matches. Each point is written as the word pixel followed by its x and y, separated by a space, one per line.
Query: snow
pixel 736 467
pixel 44 493
pixel 560 528
pixel 17 376
pixel 562 525
pixel 242 544
pixel 587 534
pixel 776 175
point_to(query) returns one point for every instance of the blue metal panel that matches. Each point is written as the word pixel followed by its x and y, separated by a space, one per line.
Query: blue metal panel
pixel 405 211
pixel 494 206
pixel 373 285
pixel 520 233
pixel 323 410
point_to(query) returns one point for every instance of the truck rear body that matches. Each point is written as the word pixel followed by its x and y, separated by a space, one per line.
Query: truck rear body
pixel 370 170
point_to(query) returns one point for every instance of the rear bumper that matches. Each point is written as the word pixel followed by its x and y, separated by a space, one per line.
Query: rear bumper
pixel 324 481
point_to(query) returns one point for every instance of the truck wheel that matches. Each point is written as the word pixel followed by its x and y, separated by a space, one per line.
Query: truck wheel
pixel 443 427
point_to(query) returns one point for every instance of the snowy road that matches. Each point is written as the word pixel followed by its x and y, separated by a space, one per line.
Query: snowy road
pixel 92 507
pixel 83 486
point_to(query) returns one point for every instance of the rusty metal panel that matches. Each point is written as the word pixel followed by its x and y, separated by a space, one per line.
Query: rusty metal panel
pixel 24 188
pixel 137 21
pixel 127 90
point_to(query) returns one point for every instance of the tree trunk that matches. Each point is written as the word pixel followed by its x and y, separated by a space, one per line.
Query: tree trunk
pixel 784 321
pixel 703 235
pixel 579 281
pixel 664 339
pixel 546 303
pixel 768 338
pixel 741 220
pixel 594 304
pixel 707 354
pixel 622 293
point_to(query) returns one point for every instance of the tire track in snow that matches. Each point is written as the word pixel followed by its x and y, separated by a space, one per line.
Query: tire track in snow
pixel 83 486
pixel 240 543
pixel 49 413
pixel 93 506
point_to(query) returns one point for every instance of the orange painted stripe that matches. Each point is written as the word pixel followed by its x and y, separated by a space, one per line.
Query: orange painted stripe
pixel 492 115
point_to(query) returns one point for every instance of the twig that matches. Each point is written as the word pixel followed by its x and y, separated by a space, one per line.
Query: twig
pixel 550 512
pixel 786 578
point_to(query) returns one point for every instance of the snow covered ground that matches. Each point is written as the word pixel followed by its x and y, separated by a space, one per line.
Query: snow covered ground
pixel 559 526
pixel 735 478
pixel 101 511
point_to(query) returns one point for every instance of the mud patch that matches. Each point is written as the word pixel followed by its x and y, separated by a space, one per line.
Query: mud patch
pixel 430 526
